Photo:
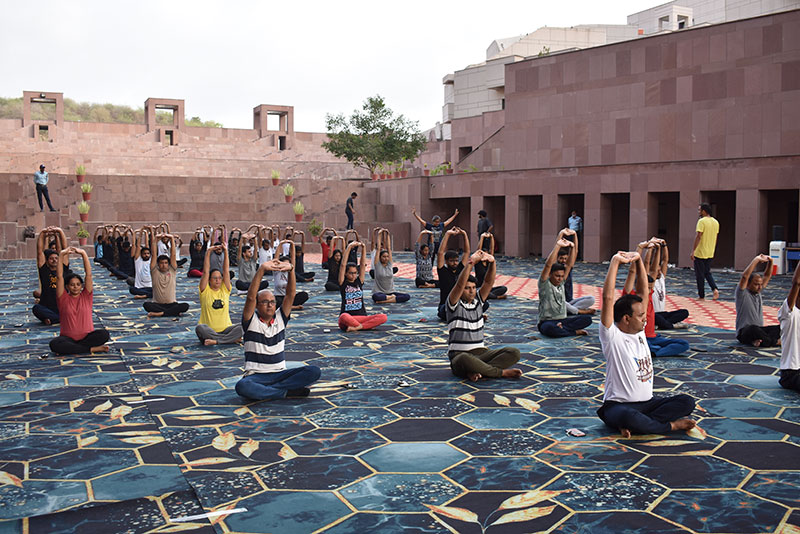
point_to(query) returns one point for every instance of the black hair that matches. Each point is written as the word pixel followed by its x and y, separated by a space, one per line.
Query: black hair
pixel 752 275
pixel 126 244
pixel 162 257
pixel 424 245
pixel 353 194
pixel 212 271
pixel 283 258
pixel 472 279
pixel 143 249
pixel 350 264
pixel 328 239
pixel 650 279
pixel 563 252
pixel 706 208
pixel 624 306
pixel 450 254
pixel 245 247
pixel 70 276
pixel 557 267
pixel 335 251
pixel 49 252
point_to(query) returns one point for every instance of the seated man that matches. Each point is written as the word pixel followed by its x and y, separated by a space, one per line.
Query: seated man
pixel 448 267
pixel 628 402
pixel 162 272
pixel 482 267
pixel 659 264
pixel 49 263
pixel 567 257
pixel 142 287
pixel 789 316
pixel 750 329
pixel 215 324
pixel 265 374
pixel 553 319
pixel 469 356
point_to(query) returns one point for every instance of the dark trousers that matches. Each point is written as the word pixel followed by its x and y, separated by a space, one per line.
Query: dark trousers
pixel 241 285
pixel 172 309
pixel 486 362
pixel 398 297
pixel 44 313
pixel 647 417
pixel 667 346
pixel 568 325
pixel 497 291
pixel 331 286
pixel 268 386
pixel 67 345
pixel 146 291
pixel 790 379
pixel 42 190
pixel 769 335
pixel 667 320
pixel 349 219
pixel 299 299
pixel 702 271
pixel 419 282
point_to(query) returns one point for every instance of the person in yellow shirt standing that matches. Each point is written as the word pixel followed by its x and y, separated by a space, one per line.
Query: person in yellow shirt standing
pixel 215 324
pixel 705 242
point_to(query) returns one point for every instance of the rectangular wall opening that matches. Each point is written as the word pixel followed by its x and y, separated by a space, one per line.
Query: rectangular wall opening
pixel 44 132
pixel 165 116
pixel 723 208
pixel 273 122
pixel 530 225
pixel 496 211
pixel 281 142
pixel 615 224
pixel 169 137
pixel 782 211
pixel 43 109
pixel 661 219
pixel 463 152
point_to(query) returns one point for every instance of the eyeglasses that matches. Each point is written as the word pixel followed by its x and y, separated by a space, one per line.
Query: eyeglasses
pixel 265 302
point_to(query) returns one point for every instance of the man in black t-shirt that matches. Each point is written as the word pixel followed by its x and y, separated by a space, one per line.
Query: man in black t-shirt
pixel 449 267
pixel 349 209
pixel 47 262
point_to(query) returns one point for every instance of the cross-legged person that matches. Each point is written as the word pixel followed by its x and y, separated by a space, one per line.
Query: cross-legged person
pixel 659 265
pixel 280 279
pixel 163 272
pixel 248 265
pixel 75 299
pixel 215 326
pixel 125 269
pixel 353 314
pixel 553 319
pixel 334 263
pixel 628 401
pixel 424 261
pixel 299 254
pixel 449 266
pixel 567 257
pixel 49 263
pixel 469 357
pixel 383 292
pixel 324 239
pixel 436 227
pixel 486 242
pixel 198 247
pixel 142 287
pixel 265 374
pixel 750 329
pixel 789 317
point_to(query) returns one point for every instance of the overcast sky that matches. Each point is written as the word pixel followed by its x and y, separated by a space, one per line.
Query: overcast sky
pixel 225 58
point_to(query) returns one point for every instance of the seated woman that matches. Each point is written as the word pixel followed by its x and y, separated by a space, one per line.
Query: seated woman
pixel 75 299
pixel 383 292
pixel 215 290
pixel 325 244
pixel 197 253
pixel 280 280
pixel 353 315
pixel 422 252
pixel 163 271
pixel 497 292
pixel 334 261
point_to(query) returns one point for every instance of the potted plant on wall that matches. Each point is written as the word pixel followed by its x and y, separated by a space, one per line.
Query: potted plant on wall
pixel 80 173
pixel 83 210
pixel 373 173
pixel 86 191
pixel 403 171
pixel 448 167
pixel 299 210
pixel 315 227
pixel 276 176
pixel 83 234
pixel 396 171
pixel 382 168
pixel 425 170
pixel 288 191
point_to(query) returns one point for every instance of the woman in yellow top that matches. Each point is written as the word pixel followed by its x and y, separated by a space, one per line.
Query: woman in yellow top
pixel 215 290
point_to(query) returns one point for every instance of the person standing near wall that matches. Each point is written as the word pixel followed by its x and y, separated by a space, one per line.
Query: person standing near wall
pixel 40 178
pixel 485 226
pixel 575 223
pixel 349 210
pixel 705 243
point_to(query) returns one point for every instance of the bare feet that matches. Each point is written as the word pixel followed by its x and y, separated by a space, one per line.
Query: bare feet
pixel 716 295
pixel 355 328
pixel 581 333
pixel 756 342
pixel 512 373
pixel 140 296
pixel 588 311
pixel 47 322
pixel 474 377
pixel 208 342
pixel 683 424
pixel 101 348
pixel 155 314
pixel 625 433
pixel 297 307
pixel 501 297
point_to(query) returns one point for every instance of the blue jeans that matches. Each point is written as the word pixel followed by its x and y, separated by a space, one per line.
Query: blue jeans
pixel 43 312
pixel 267 386
pixel 665 346
pixel 646 417
pixel 349 219
pixel 568 326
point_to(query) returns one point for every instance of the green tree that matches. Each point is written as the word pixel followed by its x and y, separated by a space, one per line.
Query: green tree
pixel 373 135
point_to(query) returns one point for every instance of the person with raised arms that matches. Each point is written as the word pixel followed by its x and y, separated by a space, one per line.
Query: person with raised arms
pixel 353 315
pixel 448 267
pixel 424 261
pixel 163 272
pixel 789 317
pixel 215 326
pixel 553 319
pixel 383 291
pixel 628 401
pixel 750 329
pixel 49 264
pixel 436 227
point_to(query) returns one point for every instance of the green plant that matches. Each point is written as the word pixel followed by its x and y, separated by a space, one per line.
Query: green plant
pixel 288 190
pixel 80 169
pixel 83 233
pixel 425 166
pixel 83 207
pixel 381 167
pixel 276 174
pixel 471 168
pixel 315 227
pixel 447 165
pixel 298 208
pixel 86 187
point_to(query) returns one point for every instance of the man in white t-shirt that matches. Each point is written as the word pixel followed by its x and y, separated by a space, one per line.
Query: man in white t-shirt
pixel 628 402
pixel 789 317
pixel 142 287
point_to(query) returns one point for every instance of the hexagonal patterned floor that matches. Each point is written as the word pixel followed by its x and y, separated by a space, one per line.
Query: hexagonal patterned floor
pixel 152 438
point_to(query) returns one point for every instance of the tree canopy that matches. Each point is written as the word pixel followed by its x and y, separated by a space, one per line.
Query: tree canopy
pixel 373 135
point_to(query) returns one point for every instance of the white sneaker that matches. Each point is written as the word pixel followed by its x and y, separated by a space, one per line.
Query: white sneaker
pixel 680 326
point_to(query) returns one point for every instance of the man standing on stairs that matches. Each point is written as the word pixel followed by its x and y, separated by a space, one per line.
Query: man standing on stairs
pixel 40 178
pixel 350 210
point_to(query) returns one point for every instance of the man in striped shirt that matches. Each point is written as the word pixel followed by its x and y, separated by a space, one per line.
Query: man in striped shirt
pixel 469 356
pixel 265 374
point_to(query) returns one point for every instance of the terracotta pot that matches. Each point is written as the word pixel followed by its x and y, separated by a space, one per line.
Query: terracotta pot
pixel 403 174
pixel 396 174
pixel 449 171
pixel 288 198
pixel 275 181
pixel 84 217
pixel 374 176
pixel 426 172
pixel 86 196
pixel 383 176
pixel 80 177
pixel 298 218
pixel 82 240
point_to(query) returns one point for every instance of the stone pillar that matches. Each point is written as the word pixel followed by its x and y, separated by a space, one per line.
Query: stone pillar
pixel 690 202
pixel 594 217
pixel 638 223
pixel 512 225
pixel 550 222
pixel 750 226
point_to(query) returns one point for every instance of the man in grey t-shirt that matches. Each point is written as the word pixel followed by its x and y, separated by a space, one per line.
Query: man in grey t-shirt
pixel 248 266
pixel 750 329
pixel 553 319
